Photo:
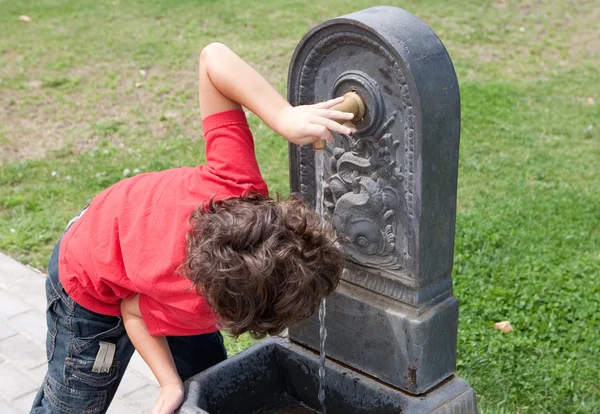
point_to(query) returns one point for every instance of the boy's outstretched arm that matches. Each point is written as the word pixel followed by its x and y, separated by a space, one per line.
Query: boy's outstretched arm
pixel 227 82
pixel 155 351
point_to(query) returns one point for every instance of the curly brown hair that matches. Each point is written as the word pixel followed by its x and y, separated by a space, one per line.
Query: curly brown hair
pixel 261 264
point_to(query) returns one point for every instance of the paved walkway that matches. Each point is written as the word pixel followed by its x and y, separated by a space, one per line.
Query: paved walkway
pixel 23 342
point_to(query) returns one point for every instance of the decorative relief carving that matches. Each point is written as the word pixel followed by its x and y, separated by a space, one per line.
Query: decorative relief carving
pixel 399 289
pixel 369 178
pixel 363 196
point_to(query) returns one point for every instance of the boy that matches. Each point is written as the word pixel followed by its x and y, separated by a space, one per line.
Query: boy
pixel 159 261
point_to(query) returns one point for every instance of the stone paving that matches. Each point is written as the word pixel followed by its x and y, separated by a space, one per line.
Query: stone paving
pixel 23 341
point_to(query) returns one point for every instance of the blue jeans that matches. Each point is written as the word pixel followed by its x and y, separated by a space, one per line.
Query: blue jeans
pixel 72 385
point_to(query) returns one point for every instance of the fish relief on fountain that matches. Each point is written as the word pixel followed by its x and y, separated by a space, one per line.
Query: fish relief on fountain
pixel 369 176
pixel 362 200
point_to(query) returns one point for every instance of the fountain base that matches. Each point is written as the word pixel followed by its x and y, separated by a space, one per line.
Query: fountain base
pixel 276 374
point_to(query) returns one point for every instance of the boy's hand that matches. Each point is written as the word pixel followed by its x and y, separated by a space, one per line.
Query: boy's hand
pixel 304 124
pixel 170 398
pixel 157 354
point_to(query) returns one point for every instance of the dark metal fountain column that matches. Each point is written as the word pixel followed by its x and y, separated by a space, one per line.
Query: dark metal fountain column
pixel 390 189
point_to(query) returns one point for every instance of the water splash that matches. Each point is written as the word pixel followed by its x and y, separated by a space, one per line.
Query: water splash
pixel 323 337
pixel 319 175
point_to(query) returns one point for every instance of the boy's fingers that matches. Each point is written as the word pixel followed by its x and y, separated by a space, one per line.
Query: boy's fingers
pixel 333 114
pixel 333 126
pixel 321 132
pixel 330 103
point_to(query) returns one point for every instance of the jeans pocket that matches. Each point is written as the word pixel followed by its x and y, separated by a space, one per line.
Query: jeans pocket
pixel 82 344
pixel 74 401
pixel 89 328
pixel 81 370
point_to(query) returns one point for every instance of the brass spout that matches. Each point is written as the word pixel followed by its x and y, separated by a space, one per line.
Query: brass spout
pixel 352 103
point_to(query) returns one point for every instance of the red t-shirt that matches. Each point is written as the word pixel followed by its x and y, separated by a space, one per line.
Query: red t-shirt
pixel 132 237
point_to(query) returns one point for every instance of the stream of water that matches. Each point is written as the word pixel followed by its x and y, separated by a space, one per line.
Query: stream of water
pixel 323 336
pixel 319 172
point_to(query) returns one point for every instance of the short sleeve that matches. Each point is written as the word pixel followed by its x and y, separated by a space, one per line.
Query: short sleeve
pixel 230 149
pixel 147 311
pixel 181 318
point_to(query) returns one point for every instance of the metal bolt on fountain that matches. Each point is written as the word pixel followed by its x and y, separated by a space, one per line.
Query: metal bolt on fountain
pixel 390 189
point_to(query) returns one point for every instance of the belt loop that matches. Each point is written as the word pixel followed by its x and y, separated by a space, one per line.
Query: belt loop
pixel 77 217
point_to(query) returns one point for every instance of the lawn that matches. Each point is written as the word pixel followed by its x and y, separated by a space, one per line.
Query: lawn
pixel 91 92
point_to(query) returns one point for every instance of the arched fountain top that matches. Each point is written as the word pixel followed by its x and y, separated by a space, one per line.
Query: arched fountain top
pixel 391 187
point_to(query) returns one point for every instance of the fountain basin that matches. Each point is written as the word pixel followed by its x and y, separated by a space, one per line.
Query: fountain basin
pixel 278 376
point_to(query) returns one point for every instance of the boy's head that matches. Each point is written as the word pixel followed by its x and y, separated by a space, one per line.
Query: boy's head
pixel 261 264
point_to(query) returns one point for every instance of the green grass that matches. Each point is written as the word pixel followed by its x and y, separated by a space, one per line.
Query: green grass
pixel 93 91
pixel 528 246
